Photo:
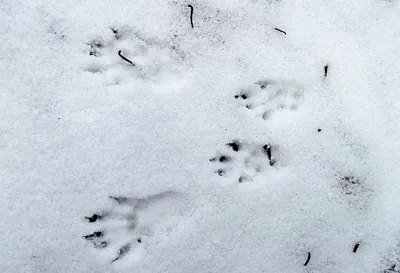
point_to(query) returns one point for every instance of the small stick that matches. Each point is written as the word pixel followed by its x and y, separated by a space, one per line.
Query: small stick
pixel 356 247
pixel 308 259
pixel 326 70
pixel 191 15
pixel 125 59
pixel 284 32
pixel 267 150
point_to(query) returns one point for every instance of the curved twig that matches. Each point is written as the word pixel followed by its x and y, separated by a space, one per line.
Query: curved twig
pixel 191 15
pixel 308 259
pixel 125 59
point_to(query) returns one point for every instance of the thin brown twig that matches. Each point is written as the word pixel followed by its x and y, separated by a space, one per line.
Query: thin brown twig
pixel 125 59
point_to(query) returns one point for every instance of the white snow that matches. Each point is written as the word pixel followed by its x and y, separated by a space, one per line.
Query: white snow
pixel 77 128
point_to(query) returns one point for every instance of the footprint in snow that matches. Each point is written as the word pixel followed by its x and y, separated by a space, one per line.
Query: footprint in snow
pixel 123 53
pixel 244 160
pixel 357 191
pixel 128 224
pixel 392 260
pixel 268 98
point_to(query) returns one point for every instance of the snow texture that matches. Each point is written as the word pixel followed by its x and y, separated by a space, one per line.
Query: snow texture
pixel 227 147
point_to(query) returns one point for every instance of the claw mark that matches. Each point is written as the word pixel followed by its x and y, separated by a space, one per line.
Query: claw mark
pixel 242 179
pixel 96 234
pixel 235 145
pixel 94 218
pixel 125 59
pixel 356 247
pixel 267 150
pixel 284 32
pixel 122 252
pixel 117 35
pixel 222 158
pixel 393 268
pixel 191 15
pixel 308 259
pixel 119 199
pixel 102 244
pixel 243 96
pixel 263 83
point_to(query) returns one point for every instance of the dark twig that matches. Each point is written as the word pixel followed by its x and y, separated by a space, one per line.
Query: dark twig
pixel 125 59
pixel 356 247
pixel 308 259
pixel 326 70
pixel 280 30
pixel 191 15
pixel 267 150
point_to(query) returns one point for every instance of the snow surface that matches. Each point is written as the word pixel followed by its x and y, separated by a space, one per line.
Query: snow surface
pixel 77 128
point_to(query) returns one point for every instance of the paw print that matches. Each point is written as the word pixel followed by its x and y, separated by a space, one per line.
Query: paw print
pixel 392 260
pixel 267 98
pixel 124 53
pixel 243 160
pixel 349 185
pixel 355 189
pixel 127 224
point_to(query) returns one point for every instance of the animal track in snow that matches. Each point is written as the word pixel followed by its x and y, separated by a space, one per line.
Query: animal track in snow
pixel 128 224
pixel 244 161
pixel 392 260
pixel 394 268
pixel 267 98
pixel 152 58
pixel 356 191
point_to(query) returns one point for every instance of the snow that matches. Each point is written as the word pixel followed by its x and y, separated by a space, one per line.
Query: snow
pixel 77 128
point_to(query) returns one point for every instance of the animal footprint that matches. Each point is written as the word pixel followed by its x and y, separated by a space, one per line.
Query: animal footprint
pixel 244 160
pixel 124 53
pixel 267 98
pixel 356 191
pixel 392 260
pixel 129 222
